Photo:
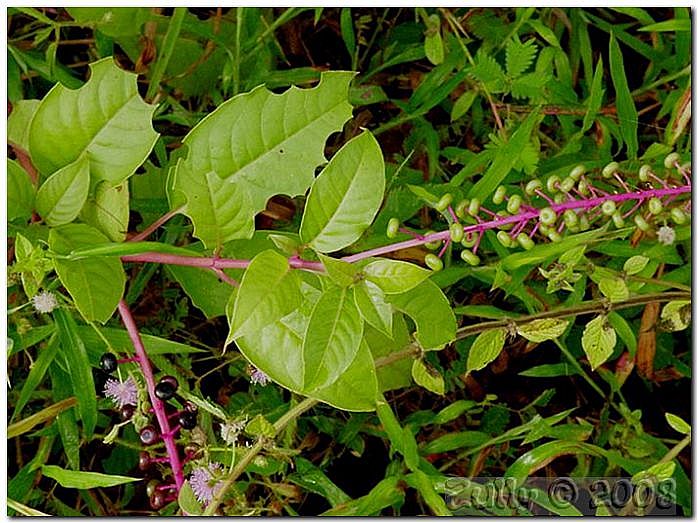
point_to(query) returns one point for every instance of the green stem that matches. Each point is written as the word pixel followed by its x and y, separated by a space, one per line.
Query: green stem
pixel 238 43
pixel 168 46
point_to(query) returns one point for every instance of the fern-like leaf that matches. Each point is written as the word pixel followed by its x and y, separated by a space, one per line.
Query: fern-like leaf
pixel 490 73
pixel 531 86
pixel 519 57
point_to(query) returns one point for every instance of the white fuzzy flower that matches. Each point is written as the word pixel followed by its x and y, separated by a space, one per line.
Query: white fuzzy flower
pixel 666 235
pixel 44 302
pixel 231 430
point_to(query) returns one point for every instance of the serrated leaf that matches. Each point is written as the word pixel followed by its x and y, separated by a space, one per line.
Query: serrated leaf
pixel 254 146
pixel 431 312
pixel 340 272
pixel 635 264
pixel 96 284
pixel 614 289
pixel 346 196
pixel 676 315
pixel 627 113
pixel 19 120
pixel 530 86
pixel 83 480
pixel 370 300
pixel 677 423
pixel 260 426
pixel 519 56
pixel 485 349
pixel 20 192
pixel 269 290
pixel 395 276
pixel 332 338
pixel 598 341
pixel 428 377
pixel 108 210
pixel 539 331
pixel 105 119
pixel 489 72
pixel 60 198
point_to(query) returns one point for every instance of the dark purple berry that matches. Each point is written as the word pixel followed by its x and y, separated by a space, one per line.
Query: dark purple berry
pixel 190 407
pixel 108 362
pixel 158 500
pixel 187 420
pixel 127 412
pixel 170 379
pixel 166 388
pixel 100 378
pixel 151 487
pixel 144 461
pixel 149 435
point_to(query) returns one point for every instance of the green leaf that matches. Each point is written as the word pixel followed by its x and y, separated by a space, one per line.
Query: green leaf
pixel 346 196
pixel 332 338
pixel 269 290
pixel 260 426
pixel 463 104
pixel 485 349
pixel 313 479
pixel 106 119
pixel 346 26
pixel 550 370
pixel 20 192
pixel 624 331
pixel 431 312
pixel 539 331
pixel 225 179
pixel 489 72
pixel 454 441
pixel 614 289
pixel 627 114
pixel 635 264
pixel 61 197
pixel 83 480
pixel 340 272
pixel 36 374
pixel 676 315
pixel 186 499
pixel 108 210
pixel 388 492
pixel 49 413
pixel 370 301
pixel 428 377
pixel 19 120
pixel 595 97
pixel 598 341
pixel 394 276
pixel 425 486
pixel 433 43
pixel 668 26
pixel 112 21
pixel 96 284
pixel 205 290
pixel 79 369
pixel 677 423
pixel 519 56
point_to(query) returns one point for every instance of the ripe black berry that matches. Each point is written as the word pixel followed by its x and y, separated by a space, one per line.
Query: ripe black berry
pixel 149 435
pixel 158 500
pixel 108 362
pixel 187 420
pixel 166 388
pixel 151 487
pixel 190 407
pixel 144 460
pixel 127 412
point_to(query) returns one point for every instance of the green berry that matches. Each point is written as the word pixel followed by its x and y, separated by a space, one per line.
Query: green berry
pixel 393 226
pixel 618 220
pixel 456 232
pixel 514 203
pixel 567 184
pixel 553 183
pixel 560 198
pixel 504 238
pixel 469 240
pixel 444 202
pixel 678 216
pixel 525 241
pixel 577 172
pixel 641 223
pixel 506 226
pixel 433 262
pixel 547 216
pixel 584 224
pixel 544 229
pixel 474 207
pixel 671 159
pixel 645 172
pixel 611 168
pixel 533 186
pixel 462 208
pixel 554 236
pixel 655 206
pixel 499 195
pixel 432 246
pixel 571 218
pixel 583 187
pixel 608 207
pixel 468 257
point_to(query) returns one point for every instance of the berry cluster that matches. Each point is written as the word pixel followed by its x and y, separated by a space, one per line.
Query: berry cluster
pixel 545 210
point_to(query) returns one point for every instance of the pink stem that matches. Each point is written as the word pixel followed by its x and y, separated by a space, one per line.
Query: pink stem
pixel 155 225
pixel 446 244
pixel 158 405
pixel 224 277
pixel 453 214
pixel 620 180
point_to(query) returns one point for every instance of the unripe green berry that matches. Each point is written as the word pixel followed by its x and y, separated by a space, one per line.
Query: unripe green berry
pixel 433 262
pixel 583 187
pixel 547 216
pixel 567 184
pixel 678 216
pixel 504 238
pixel 571 218
pixel 462 208
pixel 553 183
pixel 468 257
pixel 618 220
pixel 506 226
pixel 544 229
pixel 641 223
pixel 474 207
pixel 533 186
pixel 584 224
pixel 525 241
pixel 608 207
pixel 456 232
pixel 499 195
pixel 554 236
pixel 655 206
pixel 559 198
pixel 577 172
pixel 671 159
pixel 645 172
pixel 444 202
pixel 611 168
pixel 393 226
pixel 514 204
pixel 469 240
pixel 433 245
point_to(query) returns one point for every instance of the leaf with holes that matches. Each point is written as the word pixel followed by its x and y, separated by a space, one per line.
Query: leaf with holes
pixel 539 331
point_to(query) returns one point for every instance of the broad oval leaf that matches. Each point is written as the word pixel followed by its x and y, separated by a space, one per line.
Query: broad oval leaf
pixel 677 423
pixel 61 197
pixel 108 210
pixel 340 272
pixel 269 290
pixel 395 276
pixel 346 196
pixel 105 118
pixel 635 264
pixel 332 338
pixel 614 289
pixel 598 341
pixel 20 192
pixel 256 145
pixel 370 301
pixel 539 331
pixel 83 480
pixel 428 377
pixel 19 120
pixel 485 349
pixel 96 284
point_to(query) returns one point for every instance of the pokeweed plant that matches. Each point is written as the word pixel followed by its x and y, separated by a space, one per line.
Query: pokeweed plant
pixel 332 327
